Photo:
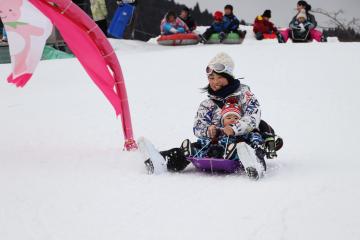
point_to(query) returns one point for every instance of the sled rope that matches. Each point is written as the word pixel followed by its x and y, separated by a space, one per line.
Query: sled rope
pixel 227 141
pixel 202 149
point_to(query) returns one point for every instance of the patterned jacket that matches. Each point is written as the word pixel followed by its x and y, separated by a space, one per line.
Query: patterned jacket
pixel 209 113
pixel 177 24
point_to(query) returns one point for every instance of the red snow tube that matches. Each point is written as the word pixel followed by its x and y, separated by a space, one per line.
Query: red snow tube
pixel 178 39
pixel 269 35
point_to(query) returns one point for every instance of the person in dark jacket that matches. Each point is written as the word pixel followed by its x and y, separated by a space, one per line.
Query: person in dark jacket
pixel 187 19
pixel 262 25
pixel 216 27
pixel 314 34
pixel 231 22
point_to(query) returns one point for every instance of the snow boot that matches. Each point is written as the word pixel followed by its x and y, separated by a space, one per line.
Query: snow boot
pixel 252 173
pixel 280 38
pixel 242 34
pixel 149 166
pixel 272 145
pixel 186 148
pixel 175 159
pixel 222 36
pixel 229 151
pixel 260 154
pixel 278 143
pixel 202 38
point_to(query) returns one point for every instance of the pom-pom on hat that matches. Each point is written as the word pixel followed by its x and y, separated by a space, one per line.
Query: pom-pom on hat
pixel 230 109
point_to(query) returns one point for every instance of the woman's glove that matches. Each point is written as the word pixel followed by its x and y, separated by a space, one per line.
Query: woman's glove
pixel 212 131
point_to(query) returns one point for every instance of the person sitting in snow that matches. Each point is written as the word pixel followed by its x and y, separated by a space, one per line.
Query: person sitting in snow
pixel 222 87
pixel 172 25
pixel 216 27
pixel 231 22
pixel 187 19
pixel 300 26
pixel 314 34
pixel 262 25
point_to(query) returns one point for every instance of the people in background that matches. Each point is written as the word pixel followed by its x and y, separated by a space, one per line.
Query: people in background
pixel 300 26
pixel 187 19
pixel 216 27
pixel 171 24
pixel 263 25
pixel 314 34
pixel 231 22
pixel 130 29
pixel 99 14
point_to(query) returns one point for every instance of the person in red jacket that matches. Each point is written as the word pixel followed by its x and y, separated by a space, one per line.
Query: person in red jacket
pixel 263 25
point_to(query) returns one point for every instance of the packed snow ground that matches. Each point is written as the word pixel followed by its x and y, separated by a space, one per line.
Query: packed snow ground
pixel 65 176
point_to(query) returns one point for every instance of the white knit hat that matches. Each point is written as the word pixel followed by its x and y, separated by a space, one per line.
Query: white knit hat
pixel 302 14
pixel 226 60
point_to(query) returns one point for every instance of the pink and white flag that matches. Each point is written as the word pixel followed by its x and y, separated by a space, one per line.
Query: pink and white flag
pixel 27 29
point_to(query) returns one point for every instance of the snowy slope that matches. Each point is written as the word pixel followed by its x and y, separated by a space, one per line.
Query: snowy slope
pixel 63 174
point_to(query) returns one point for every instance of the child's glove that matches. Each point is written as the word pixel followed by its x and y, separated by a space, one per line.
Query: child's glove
pixel 212 131
pixel 302 27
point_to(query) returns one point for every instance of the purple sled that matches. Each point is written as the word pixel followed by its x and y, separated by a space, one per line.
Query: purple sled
pixel 216 164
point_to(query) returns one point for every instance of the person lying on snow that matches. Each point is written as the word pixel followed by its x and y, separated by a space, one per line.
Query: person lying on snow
pixel 231 22
pixel 171 24
pixel 300 26
pixel 216 27
pixel 222 87
pixel 262 25
pixel 223 143
pixel 187 19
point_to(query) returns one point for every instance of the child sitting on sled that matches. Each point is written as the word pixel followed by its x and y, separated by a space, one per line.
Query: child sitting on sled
pixel 216 27
pixel 171 24
pixel 300 27
pixel 224 143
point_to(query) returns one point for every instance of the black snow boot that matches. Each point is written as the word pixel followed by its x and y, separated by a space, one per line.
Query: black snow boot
pixel 175 159
pixel 202 38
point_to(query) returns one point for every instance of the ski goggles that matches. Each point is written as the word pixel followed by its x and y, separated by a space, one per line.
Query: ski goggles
pixel 218 68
